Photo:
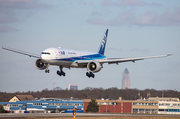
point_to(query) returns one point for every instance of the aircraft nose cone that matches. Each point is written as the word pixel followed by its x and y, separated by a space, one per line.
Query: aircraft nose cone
pixel 44 58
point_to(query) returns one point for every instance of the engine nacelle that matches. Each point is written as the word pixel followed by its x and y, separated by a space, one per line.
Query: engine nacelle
pixel 94 66
pixel 40 65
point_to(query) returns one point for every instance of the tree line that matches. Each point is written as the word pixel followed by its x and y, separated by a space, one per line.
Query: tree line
pixel 96 93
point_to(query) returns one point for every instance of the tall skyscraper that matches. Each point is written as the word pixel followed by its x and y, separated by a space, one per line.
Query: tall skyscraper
pixel 126 82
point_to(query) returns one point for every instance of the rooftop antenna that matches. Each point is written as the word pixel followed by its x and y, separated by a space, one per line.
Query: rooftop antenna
pixel 162 94
pixel 139 94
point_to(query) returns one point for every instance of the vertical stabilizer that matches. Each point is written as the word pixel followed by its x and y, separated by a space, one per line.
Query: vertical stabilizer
pixel 103 43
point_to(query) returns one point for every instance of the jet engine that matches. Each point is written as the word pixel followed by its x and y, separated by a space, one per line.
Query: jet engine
pixel 94 66
pixel 40 65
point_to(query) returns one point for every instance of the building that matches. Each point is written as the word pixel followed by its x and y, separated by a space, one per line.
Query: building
pixel 56 105
pixel 111 106
pixel 125 106
pixel 137 106
pixel 164 98
pixel 72 87
pixel 145 106
pixel 126 82
pixel 47 105
pixel 21 98
pixel 167 105
pixel 57 88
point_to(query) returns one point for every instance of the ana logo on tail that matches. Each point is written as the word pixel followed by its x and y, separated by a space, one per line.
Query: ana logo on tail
pixel 103 43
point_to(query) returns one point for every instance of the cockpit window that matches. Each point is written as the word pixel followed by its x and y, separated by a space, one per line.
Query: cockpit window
pixel 45 53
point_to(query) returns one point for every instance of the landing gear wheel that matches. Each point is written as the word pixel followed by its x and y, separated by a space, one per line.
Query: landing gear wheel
pixel 57 72
pixel 93 76
pixel 47 71
pixel 90 74
pixel 61 73
pixel 87 73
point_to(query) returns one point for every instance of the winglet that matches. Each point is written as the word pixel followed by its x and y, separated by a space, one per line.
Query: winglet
pixel 103 43
pixel 169 54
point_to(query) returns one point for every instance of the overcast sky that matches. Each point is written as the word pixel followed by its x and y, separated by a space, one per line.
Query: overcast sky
pixel 136 28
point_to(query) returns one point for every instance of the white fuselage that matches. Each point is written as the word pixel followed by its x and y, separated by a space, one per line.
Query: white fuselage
pixel 65 57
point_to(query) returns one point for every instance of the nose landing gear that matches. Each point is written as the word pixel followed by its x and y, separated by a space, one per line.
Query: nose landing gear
pixel 47 71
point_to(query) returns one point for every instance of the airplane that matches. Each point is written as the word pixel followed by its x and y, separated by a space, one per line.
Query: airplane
pixel 69 58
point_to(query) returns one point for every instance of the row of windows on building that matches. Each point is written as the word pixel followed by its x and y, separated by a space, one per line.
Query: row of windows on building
pixel 66 104
pixel 107 103
pixel 144 110
pixel 50 104
pixel 168 104
pixel 37 104
pixel 156 104
pixel 170 110
pixel 150 104
pixel 14 105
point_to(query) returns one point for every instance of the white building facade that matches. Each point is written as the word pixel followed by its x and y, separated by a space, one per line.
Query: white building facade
pixel 169 107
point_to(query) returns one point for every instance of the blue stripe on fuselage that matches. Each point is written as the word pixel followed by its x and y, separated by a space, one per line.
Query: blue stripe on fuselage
pixel 85 57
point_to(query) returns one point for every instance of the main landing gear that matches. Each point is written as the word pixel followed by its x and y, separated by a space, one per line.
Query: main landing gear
pixel 90 74
pixel 61 71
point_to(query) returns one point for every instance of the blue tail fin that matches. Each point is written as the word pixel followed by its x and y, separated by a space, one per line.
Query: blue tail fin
pixel 103 43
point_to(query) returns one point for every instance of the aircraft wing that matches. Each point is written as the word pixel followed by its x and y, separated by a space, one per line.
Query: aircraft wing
pixel 115 60
pixel 21 52
pixel 119 60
